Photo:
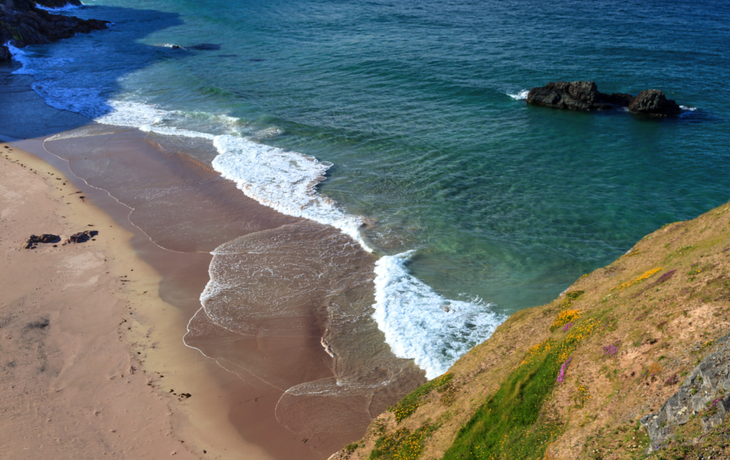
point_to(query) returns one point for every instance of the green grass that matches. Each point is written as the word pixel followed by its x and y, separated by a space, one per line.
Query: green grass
pixel 691 442
pixel 509 425
pixel 408 405
pixel 514 424
pixel 402 444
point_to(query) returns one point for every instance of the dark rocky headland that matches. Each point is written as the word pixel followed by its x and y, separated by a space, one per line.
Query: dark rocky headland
pixel 584 96
pixel 21 24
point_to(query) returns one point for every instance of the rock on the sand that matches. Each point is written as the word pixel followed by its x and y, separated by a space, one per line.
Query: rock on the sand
pixel 81 237
pixel 44 238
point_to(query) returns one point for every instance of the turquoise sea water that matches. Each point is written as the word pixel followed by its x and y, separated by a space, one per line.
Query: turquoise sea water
pixel 413 106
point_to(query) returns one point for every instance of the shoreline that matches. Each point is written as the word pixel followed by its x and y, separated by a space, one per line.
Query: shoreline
pixel 206 419
pixel 282 430
pixel 275 372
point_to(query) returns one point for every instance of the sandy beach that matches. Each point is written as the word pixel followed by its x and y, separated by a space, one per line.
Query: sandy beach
pixel 93 361
pixel 159 215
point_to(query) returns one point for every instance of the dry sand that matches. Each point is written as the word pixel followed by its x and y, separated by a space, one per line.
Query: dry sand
pixel 91 359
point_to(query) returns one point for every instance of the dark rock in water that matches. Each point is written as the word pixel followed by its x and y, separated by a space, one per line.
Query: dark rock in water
pixel 704 393
pixel 574 95
pixel 206 47
pixel 584 95
pixel 33 241
pixel 81 237
pixel 618 99
pixel 653 102
pixel 23 24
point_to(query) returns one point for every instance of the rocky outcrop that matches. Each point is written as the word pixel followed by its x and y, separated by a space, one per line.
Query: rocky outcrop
pixel 584 96
pixel 32 242
pixel 653 102
pixel 705 393
pixel 81 237
pixel 21 24
pixel 573 95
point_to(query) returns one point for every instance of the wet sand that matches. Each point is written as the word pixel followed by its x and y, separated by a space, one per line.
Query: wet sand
pixel 287 311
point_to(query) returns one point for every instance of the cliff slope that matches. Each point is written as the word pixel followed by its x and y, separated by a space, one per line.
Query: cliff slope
pixel 573 378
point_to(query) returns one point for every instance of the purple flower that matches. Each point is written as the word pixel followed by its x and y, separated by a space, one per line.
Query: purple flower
pixel 567 326
pixel 563 368
pixel 714 403
pixel 610 350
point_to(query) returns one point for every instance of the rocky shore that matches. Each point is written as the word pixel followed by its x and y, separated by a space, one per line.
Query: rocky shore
pixel 22 23
pixel 584 96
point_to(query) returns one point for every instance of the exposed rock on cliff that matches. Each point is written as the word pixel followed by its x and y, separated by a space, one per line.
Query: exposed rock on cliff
pixel 21 23
pixel 584 96
pixel 704 393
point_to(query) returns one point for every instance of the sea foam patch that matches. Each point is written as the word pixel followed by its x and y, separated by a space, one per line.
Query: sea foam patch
pixel 58 9
pixel 520 96
pixel 283 180
pixel 22 58
pixel 419 323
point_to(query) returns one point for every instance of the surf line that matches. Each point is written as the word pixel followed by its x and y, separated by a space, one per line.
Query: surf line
pixel 418 323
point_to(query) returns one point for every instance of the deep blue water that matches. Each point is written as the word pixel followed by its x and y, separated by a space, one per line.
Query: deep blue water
pixel 409 101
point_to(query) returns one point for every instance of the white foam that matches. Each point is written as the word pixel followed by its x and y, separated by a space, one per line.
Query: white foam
pixel 66 7
pixel 21 57
pixel 283 180
pixel 520 96
pixel 280 179
pixel 420 324
pixel 29 61
pixel 688 109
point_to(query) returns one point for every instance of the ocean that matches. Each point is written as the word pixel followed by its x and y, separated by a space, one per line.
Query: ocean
pixel 402 125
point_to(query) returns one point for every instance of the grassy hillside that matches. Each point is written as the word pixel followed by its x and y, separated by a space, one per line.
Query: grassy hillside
pixel 572 378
